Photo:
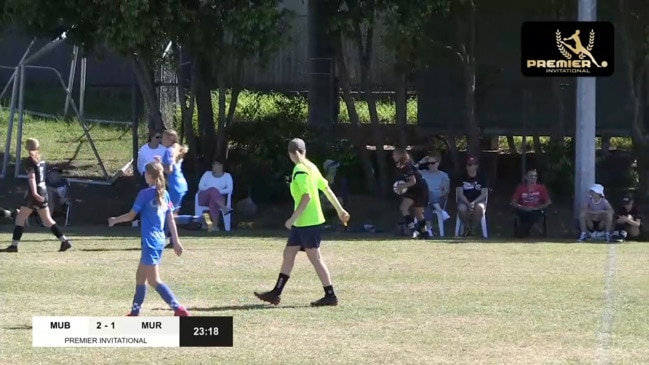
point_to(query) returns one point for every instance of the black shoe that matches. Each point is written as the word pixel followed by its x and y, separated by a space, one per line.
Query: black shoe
pixel 269 297
pixel 326 301
pixel 170 245
pixel 13 249
pixel 65 246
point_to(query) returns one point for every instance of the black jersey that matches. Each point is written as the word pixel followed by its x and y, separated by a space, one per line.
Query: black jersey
pixel 407 170
pixel 39 171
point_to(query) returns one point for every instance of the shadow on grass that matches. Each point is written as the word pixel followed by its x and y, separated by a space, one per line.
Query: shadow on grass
pixel 23 327
pixel 245 307
pixel 109 249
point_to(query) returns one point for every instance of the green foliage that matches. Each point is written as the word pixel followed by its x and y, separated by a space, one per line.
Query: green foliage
pixel 406 21
pixel 559 171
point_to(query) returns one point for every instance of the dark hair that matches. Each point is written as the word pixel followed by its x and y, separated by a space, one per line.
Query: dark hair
pixel 435 154
pixel 403 153
pixel 218 160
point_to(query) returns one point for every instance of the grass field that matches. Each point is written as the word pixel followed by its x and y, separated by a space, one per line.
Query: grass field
pixel 402 302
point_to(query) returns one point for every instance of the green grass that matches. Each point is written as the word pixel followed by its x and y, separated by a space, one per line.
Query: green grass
pixel 64 144
pixel 402 302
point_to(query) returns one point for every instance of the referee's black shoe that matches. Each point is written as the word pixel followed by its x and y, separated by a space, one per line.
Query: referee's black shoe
pixel 10 249
pixel 269 297
pixel 326 301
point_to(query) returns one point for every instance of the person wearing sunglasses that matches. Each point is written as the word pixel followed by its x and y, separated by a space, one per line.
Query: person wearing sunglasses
pixel 471 193
pixel 438 184
pixel 148 153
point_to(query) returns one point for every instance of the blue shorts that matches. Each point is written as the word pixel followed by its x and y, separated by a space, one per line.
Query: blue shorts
pixel 305 237
pixel 176 198
pixel 151 256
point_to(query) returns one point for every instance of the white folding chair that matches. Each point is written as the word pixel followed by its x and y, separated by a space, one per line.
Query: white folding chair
pixel 198 211
pixel 483 221
pixel 440 219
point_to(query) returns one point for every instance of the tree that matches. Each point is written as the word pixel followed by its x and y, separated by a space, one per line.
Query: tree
pixel 634 24
pixel 134 29
pixel 222 36
pixel 355 20
pixel 406 21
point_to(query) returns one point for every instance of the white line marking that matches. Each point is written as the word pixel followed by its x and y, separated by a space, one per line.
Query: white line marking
pixel 605 328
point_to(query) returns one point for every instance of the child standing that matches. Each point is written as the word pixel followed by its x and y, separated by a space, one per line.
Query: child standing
pixel 36 199
pixel 154 206
pixel 172 161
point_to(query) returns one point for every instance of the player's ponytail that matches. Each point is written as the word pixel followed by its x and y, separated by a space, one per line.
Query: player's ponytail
pixel 32 145
pixel 157 173
pixel 297 147
pixel 180 152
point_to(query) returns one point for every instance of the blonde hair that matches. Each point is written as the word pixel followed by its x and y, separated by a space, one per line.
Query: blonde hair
pixel 157 173
pixel 179 151
pixel 32 145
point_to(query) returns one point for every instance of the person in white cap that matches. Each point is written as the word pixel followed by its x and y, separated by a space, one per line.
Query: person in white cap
pixel 596 214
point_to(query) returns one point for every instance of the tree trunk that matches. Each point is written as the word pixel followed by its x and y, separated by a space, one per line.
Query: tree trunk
pixel 537 144
pixel 143 76
pixel 365 57
pixel 206 130
pixel 357 138
pixel 511 143
pixel 221 140
pixel 401 96
pixel 187 107
pixel 472 127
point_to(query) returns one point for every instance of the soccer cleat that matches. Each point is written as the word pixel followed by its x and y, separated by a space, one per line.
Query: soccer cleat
pixel 65 246
pixel 181 312
pixel 326 301
pixel 269 297
pixel 208 221
pixel 12 249
pixel 583 237
pixel 415 235
pixel 132 315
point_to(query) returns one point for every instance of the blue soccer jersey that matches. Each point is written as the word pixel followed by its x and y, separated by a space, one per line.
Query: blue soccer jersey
pixel 152 217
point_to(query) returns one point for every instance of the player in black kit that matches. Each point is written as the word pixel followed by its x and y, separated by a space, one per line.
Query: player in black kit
pixel 415 196
pixel 36 199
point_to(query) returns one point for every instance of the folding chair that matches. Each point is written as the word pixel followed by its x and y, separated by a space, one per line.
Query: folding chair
pixel 199 209
pixel 483 221
pixel 544 224
pixel 440 221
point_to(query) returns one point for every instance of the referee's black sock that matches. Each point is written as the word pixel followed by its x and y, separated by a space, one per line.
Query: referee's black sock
pixel 281 282
pixel 329 291
pixel 18 234
pixel 421 225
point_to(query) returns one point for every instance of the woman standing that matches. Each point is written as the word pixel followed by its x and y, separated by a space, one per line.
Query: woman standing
pixel 172 161
pixel 148 153
pixel 213 188
pixel 306 225
pixel 36 199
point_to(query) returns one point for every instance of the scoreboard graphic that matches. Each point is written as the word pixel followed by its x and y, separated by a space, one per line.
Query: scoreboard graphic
pixel 132 332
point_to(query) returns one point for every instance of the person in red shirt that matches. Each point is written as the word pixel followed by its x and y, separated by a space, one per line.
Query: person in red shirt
pixel 529 200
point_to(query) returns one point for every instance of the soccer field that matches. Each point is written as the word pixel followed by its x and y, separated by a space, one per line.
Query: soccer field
pixel 401 301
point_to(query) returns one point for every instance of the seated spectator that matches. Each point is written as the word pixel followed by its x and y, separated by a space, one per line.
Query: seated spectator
pixel 213 189
pixel 529 200
pixel 438 185
pixel 596 214
pixel 57 190
pixel 627 220
pixel 472 192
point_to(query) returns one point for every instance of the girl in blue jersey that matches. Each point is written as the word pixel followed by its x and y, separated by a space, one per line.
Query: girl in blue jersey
pixel 154 206
pixel 172 161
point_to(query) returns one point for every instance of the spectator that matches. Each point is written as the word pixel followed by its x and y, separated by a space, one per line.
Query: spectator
pixel 471 191
pixel 438 184
pixel 627 221
pixel 57 190
pixel 597 212
pixel 148 153
pixel 213 189
pixel 528 201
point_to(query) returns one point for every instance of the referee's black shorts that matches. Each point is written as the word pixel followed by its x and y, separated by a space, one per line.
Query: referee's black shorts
pixel 418 195
pixel 305 237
